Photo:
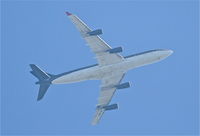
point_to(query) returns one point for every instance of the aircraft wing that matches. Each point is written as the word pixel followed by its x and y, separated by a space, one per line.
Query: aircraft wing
pixel 98 46
pixel 108 88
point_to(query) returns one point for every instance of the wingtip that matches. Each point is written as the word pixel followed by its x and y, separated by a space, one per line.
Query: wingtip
pixel 93 123
pixel 68 13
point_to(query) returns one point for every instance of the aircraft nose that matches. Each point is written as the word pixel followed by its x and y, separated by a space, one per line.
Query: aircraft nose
pixel 168 52
pixel 165 53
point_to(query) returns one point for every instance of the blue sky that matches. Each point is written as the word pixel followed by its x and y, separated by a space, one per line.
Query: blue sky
pixel 163 98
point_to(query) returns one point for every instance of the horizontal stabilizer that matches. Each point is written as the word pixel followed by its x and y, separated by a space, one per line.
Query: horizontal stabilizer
pixel 37 72
pixel 42 91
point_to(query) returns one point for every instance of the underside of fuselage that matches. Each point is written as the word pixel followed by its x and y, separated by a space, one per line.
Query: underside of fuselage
pixel 96 72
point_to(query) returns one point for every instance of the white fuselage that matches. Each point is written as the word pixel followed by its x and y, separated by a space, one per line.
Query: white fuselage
pixel 98 72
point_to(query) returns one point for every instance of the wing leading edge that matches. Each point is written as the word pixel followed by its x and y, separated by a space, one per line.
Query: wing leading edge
pixel 104 56
pixel 108 88
pixel 98 46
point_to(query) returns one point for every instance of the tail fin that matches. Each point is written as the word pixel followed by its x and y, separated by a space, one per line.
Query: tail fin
pixel 44 80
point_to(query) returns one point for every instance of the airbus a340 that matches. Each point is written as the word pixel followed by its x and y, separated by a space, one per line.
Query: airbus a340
pixel 110 69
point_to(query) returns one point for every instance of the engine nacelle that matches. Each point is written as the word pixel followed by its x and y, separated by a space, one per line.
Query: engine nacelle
pixel 111 107
pixel 115 50
pixel 122 86
pixel 95 32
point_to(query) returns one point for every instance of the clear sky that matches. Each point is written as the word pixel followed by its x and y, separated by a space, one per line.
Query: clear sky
pixel 163 98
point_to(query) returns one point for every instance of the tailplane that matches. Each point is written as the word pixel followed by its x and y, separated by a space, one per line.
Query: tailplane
pixel 44 80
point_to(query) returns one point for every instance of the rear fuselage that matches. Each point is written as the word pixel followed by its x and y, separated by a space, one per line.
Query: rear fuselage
pixel 96 72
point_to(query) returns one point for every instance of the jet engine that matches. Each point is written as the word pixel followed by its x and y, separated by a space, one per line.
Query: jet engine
pixel 115 50
pixel 95 32
pixel 123 85
pixel 111 107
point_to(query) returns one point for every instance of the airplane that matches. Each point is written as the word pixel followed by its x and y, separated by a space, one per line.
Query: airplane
pixel 110 69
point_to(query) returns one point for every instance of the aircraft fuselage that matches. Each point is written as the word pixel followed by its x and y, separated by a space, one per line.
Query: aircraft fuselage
pixel 97 72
